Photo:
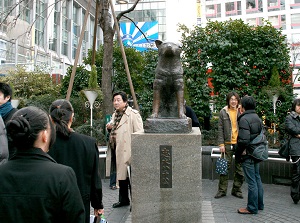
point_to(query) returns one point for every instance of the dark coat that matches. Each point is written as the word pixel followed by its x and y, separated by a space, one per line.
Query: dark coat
pixel 3 143
pixel 292 126
pixel 35 189
pixel 189 112
pixel 12 150
pixel 81 153
pixel 8 116
pixel 250 126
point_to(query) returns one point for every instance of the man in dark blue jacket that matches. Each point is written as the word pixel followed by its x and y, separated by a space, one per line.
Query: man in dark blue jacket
pixel 6 108
pixel 250 125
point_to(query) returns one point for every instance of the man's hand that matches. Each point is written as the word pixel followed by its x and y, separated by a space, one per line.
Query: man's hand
pixel 109 125
pixel 98 212
pixel 222 149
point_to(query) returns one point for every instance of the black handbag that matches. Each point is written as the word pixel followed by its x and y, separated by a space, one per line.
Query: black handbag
pixel 284 150
pixel 221 165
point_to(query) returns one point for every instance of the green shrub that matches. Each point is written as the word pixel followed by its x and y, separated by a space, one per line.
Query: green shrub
pixel 98 130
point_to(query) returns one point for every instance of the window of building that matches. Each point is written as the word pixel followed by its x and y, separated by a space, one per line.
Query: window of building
pixel 40 25
pixel 253 6
pixel 2 51
pixel 85 37
pixel 53 42
pixel 213 11
pixel 255 21
pixel 296 38
pixel 295 4
pixel 283 21
pixel 233 8
pixel 92 22
pixel 5 7
pixel 76 29
pixel 295 21
pixel 66 27
pixel 276 5
pixel 25 10
pixel 278 21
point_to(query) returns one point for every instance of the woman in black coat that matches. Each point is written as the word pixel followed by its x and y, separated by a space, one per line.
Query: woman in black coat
pixel 34 188
pixel 292 126
pixel 79 152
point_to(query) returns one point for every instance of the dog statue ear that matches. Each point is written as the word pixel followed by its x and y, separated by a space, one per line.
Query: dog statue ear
pixel 158 43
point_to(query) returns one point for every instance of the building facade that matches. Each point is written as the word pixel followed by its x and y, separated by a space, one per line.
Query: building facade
pixel 44 33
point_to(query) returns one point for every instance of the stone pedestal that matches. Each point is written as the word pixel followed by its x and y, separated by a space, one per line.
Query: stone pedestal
pixel 171 125
pixel 166 177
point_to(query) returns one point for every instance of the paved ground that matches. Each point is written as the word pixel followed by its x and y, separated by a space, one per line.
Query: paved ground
pixel 279 207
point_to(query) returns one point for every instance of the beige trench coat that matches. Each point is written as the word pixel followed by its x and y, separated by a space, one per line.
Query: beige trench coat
pixel 131 122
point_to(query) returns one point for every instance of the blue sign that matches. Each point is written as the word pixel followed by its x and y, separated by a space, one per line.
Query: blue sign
pixel 133 37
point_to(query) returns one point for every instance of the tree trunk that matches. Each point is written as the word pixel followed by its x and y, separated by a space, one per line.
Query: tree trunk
pixel 107 68
pixel 108 34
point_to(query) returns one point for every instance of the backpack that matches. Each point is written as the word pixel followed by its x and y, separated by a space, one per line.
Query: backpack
pixel 258 147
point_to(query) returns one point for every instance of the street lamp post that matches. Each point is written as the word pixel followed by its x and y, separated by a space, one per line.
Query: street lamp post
pixel 274 99
pixel 91 96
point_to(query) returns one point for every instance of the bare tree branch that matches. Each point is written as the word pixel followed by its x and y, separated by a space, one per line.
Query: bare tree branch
pixel 119 16
pixel 10 11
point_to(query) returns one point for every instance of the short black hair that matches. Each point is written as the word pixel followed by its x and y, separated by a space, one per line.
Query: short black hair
pixel 295 103
pixel 6 90
pixel 248 103
pixel 229 95
pixel 122 94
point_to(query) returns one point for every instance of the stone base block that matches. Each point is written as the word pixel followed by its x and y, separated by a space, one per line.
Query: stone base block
pixel 156 125
pixel 166 177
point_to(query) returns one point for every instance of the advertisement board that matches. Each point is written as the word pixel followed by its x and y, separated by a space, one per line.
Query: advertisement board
pixel 140 35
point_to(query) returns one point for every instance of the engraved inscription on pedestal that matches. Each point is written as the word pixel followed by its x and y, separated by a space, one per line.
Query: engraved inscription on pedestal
pixel 165 166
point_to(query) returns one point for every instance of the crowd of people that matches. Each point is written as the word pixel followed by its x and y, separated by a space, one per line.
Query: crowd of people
pixel 52 172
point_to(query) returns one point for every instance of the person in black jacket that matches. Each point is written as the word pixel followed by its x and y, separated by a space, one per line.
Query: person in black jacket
pixel 292 126
pixel 3 143
pixel 79 152
pixel 189 112
pixel 6 109
pixel 250 126
pixel 34 188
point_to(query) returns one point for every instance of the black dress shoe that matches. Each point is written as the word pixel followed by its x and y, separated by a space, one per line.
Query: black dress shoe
pixel 296 201
pixel 120 204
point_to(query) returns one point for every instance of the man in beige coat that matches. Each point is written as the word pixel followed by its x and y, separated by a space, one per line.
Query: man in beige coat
pixel 125 121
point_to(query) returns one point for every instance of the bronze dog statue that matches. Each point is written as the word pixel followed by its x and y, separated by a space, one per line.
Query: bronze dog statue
pixel 168 99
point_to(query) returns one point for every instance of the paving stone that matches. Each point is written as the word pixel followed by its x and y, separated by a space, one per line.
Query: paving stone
pixel 279 206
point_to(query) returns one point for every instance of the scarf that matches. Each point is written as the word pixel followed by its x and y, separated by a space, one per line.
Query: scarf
pixel 5 109
pixel 117 119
